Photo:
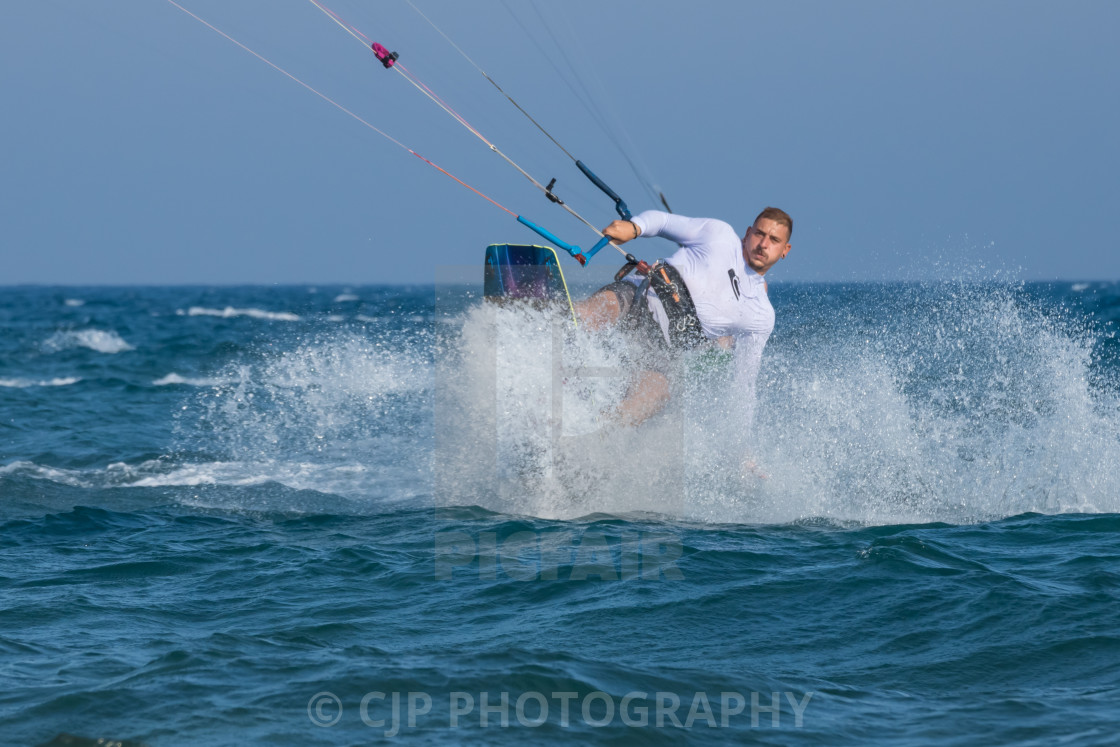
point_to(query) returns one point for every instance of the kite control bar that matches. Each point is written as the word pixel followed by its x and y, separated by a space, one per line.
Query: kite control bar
pixel 571 249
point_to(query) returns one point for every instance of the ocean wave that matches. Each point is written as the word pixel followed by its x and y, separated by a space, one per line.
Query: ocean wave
pixel 72 478
pixel 230 312
pixel 156 474
pixel 343 480
pixel 344 297
pixel 335 479
pixel 24 383
pixel 99 340
pixel 159 473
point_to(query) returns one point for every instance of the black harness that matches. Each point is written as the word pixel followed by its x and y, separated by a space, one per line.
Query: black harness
pixel 669 286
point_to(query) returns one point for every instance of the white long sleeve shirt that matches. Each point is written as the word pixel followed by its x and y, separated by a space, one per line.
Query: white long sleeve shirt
pixel 709 257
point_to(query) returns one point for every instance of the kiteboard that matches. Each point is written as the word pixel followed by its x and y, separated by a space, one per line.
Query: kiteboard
pixel 525 273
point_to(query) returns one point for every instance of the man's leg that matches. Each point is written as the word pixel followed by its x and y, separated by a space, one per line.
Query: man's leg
pixel 647 395
pixel 650 389
pixel 601 310
pixel 607 305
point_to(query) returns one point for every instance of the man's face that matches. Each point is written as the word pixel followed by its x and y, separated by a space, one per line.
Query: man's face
pixel 766 242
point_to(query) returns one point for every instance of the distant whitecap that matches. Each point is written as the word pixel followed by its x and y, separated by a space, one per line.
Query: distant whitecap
pixel 99 340
pixel 229 312
pixel 344 297
pixel 24 383
pixel 173 378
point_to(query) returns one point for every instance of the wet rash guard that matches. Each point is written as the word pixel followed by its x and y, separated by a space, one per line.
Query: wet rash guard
pixel 730 297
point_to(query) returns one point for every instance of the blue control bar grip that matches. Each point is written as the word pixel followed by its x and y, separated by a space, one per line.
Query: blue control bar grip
pixel 569 248
pixel 619 205
pixel 594 250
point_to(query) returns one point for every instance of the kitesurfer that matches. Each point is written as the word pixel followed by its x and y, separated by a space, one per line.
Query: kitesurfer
pixel 710 292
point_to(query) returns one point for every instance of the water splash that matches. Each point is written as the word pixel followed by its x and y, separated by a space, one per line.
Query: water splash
pixel 524 421
pixel 893 404
pixel 338 413
pixel 951 403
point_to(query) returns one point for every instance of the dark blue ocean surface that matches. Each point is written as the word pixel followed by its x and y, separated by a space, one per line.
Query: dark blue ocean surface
pixel 357 515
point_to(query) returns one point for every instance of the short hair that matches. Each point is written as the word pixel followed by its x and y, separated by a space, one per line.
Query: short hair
pixel 778 216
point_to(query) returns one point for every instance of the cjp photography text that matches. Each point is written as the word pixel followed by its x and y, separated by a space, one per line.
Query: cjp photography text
pixel 392 712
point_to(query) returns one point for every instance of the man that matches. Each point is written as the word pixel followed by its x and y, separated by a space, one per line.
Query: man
pixel 710 291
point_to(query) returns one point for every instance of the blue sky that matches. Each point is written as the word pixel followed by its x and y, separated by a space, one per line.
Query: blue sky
pixel 908 140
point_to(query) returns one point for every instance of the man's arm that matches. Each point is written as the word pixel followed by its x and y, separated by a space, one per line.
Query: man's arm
pixel 680 229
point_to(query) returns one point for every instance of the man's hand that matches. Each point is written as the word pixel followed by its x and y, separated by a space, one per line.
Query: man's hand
pixel 622 231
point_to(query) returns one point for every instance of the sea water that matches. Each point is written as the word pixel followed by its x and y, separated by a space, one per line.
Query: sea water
pixel 351 515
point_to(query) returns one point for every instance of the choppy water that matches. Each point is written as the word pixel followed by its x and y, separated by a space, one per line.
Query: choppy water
pixel 257 515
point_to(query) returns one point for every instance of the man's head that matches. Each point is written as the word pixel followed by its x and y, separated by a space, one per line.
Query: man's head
pixel 767 240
